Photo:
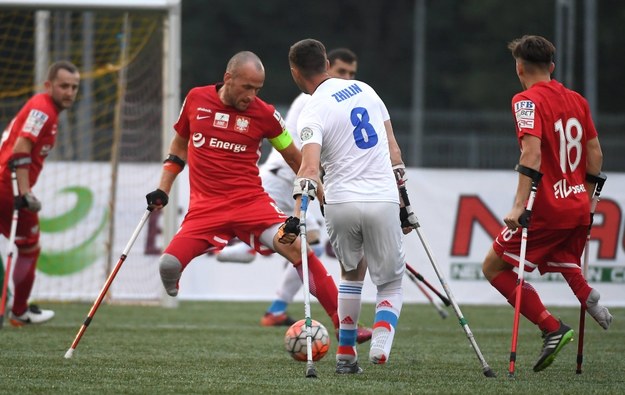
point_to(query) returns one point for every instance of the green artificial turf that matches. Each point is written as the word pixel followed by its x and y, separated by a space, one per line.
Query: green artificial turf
pixel 219 347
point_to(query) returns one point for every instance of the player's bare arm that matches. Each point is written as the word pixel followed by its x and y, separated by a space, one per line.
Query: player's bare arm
pixel 20 161
pixel 594 162
pixel 311 154
pixel 394 149
pixel 530 157
pixel 23 146
pixel 173 164
pixel 292 156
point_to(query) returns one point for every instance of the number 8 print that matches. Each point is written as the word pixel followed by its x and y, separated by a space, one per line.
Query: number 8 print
pixel 364 132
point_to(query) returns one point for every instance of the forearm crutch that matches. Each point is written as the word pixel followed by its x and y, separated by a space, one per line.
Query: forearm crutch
pixel 311 372
pixel 598 181
pixel 425 292
pixel 524 220
pixel 419 277
pixel 107 284
pixel 463 322
pixel 10 246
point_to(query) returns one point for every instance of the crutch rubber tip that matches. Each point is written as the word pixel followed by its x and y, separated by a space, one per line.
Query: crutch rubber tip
pixel 311 373
pixel 488 372
pixel 69 353
pixel 511 376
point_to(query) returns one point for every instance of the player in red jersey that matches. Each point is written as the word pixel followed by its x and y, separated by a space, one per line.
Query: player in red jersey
pixel 24 146
pixel 219 133
pixel 558 139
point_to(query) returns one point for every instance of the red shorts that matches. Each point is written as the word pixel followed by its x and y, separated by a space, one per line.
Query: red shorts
pixel 551 250
pixel 210 227
pixel 27 233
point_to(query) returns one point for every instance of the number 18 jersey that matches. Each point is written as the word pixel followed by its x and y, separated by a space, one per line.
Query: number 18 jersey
pixel 346 117
pixel 561 119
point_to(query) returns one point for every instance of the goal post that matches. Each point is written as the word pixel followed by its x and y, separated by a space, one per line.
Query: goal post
pixel 110 145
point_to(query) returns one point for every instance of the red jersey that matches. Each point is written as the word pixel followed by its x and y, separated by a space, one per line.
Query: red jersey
pixel 36 121
pixel 561 119
pixel 224 145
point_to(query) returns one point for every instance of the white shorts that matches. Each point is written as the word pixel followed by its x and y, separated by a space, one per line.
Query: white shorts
pixel 370 230
pixel 281 191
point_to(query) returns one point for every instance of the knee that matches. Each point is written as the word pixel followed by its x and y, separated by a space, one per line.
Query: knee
pixel 169 264
pixel 492 265
pixel 26 249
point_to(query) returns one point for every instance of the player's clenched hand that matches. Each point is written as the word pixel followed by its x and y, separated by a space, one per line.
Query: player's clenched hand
pixel 289 230
pixel 157 199
pixel 513 219
pixel 408 220
pixel 28 201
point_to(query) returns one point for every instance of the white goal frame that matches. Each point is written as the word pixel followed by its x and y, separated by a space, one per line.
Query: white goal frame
pixel 171 71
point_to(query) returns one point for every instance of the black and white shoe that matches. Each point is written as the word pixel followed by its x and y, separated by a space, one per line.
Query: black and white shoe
pixel 346 367
pixel 553 343
pixel 32 315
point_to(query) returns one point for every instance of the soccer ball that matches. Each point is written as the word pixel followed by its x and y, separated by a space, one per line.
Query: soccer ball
pixel 295 340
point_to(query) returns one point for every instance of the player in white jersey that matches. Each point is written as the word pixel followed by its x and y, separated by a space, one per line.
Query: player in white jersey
pixel 277 178
pixel 345 128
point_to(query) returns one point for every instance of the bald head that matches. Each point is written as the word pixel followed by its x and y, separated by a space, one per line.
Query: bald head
pixel 243 79
pixel 244 59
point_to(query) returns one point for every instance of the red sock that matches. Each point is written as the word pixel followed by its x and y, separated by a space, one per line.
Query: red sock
pixel 322 286
pixel 23 280
pixel 532 307
pixel 578 285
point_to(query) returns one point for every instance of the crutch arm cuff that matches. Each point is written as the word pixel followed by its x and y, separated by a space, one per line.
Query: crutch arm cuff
pixel 598 179
pixel 20 160
pixel 535 175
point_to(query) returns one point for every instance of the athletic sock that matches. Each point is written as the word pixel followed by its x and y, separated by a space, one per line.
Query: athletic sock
pixel 321 286
pixel 578 285
pixel 532 307
pixel 290 284
pixel 23 280
pixel 349 299
pixel 389 301
pixel 277 307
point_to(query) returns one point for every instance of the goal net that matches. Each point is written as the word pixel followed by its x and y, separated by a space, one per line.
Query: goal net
pixel 110 144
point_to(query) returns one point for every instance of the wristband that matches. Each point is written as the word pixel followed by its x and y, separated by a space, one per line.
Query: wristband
pixel 173 164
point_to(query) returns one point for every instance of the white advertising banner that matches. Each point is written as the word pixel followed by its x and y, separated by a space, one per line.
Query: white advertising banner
pixel 460 212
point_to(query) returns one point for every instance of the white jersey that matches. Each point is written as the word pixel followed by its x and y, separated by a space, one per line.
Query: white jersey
pixel 275 163
pixel 346 117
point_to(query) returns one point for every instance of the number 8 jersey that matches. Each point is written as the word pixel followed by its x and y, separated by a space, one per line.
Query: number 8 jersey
pixel 346 117
pixel 561 119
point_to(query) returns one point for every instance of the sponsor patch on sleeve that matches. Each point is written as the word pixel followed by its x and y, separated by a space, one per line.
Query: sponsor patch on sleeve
pixel 524 113
pixel 278 118
pixel 34 122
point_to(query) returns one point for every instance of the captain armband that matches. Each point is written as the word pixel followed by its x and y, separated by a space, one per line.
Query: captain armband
pixel 173 164
pixel 281 141
pixel 21 160
pixel 301 183
pixel 529 172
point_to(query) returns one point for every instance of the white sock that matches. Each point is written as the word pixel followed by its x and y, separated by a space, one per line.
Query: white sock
pixel 350 294
pixel 290 284
pixel 389 301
